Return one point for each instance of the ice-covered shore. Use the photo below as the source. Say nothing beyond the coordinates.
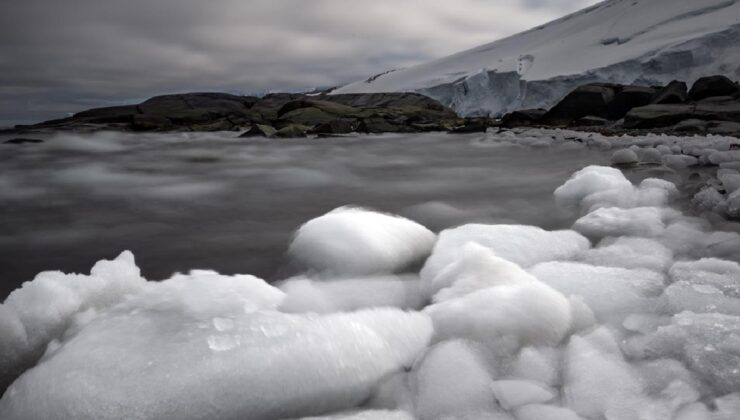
(630, 314)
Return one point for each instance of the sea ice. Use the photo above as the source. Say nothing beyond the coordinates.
(355, 241)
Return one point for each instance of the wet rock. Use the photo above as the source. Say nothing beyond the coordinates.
(336, 126)
(478, 125)
(674, 93)
(713, 86)
(377, 125)
(656, 116)
(259, 130)
(691, 126)
(523, 118)
(585, 100)
(292, 131)
(591, 121)
(627, 98)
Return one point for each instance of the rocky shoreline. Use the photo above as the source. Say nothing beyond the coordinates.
(711, 106)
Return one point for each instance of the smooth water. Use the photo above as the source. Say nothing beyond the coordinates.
(185, 201)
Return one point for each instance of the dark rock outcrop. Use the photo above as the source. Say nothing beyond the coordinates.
(592, 99)
(523, 118)
(627, 98)
(656, 116)
(713, 86)
(673, 93)
(286, 114)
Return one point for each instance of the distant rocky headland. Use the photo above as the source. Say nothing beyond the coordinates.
(710, 106)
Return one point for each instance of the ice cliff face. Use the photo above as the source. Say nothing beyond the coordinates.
(644, 42)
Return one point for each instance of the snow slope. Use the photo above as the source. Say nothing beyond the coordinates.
(643, 42)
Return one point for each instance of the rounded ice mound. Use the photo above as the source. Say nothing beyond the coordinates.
(624, 157)
(614, 221)
(356, 241)
(522, 245)
(209, 346)
(505, 317)
(590, 180)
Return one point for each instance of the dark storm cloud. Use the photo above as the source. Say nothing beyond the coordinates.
(60, 56)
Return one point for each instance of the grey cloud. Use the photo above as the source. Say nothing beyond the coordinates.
(61, 56)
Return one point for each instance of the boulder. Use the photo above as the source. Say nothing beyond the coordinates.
(627, 98)
(259, 130)
(523, 118)
(691, 126)
(292, 131)
(336, 126)
(591, 121)
(475, 125)
(386, 100)
(585, 100)
(674, 93)
(656, 116)
(724, 128)
(713, 86)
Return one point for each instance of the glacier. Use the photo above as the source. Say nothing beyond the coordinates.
(640, 42)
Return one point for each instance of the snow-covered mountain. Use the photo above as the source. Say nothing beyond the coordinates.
(644, 42)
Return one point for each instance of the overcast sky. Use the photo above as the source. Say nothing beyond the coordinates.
(62, 56)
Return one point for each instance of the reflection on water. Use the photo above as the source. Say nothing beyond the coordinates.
(183, 201)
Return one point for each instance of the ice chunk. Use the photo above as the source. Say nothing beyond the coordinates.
(609, 291)
(355, 241)
(163, 351)
(43, 309)
(597, 380)
(679, 161)
(537, 364)
(477, 268)
(545, 412)
(696, 297)
(516, 393)
(336, 295)
(613, 221)
(588, 181)
(523, 245)
(505, 317)
(624, 157)
(453, 379)
(650, 155)
(629, 252)
(706, 342)
(724, 275)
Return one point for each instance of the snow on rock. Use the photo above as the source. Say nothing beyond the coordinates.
(355, 241)
(347, 294)
(365, 415)
(453, 379)
(622, 41)
(522, 245)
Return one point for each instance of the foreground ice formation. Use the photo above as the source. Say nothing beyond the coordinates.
(630, 314)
